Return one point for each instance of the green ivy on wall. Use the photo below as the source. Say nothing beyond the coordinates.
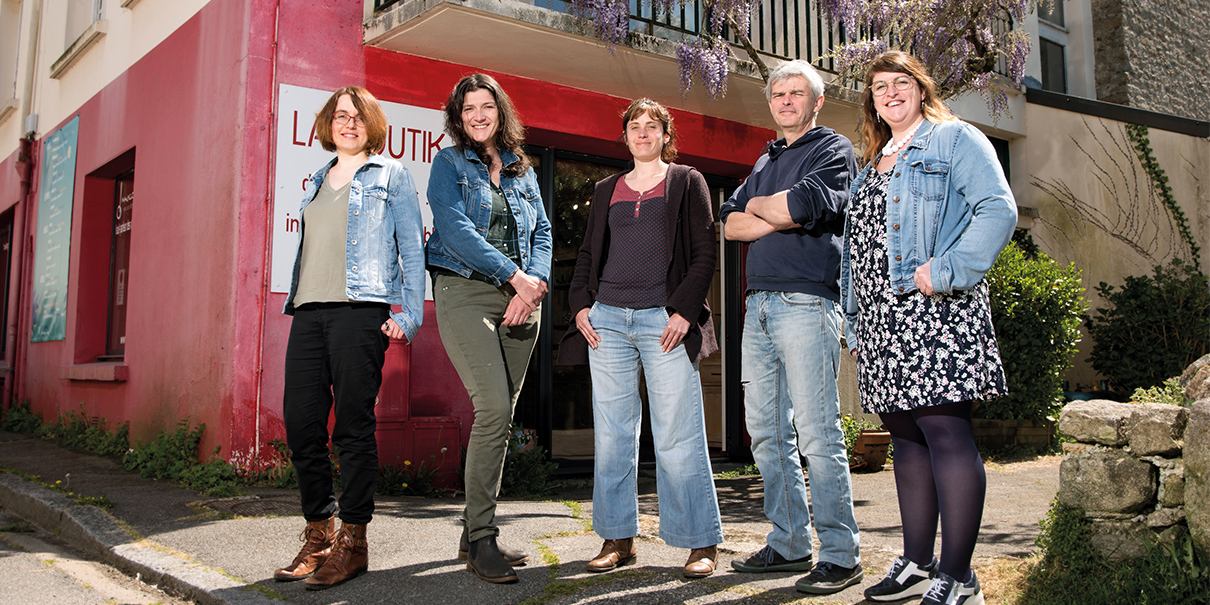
(1139, 136)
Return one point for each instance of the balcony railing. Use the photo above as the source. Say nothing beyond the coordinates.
(785, 29)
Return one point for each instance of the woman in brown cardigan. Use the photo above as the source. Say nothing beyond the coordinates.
(639, 294)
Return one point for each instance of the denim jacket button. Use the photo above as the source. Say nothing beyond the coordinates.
(354, 267)
(356, 212)
(896, 198)
(354, 242)
(901, 288)
(896, 175)
(898, 257)
(895, 226)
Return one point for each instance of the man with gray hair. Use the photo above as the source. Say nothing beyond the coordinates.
(791, 208)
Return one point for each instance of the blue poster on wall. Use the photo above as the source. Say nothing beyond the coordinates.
(52, 245)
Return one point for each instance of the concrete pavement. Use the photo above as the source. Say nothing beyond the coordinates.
(225, 550)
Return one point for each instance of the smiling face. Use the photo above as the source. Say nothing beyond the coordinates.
(898, 108)
(645, 137)
(792, 107)
(350, 137)
(481, 117)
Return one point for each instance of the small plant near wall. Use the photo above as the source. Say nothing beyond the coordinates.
(1151, 328)
(1171, 393)
(527, 472)
(1036, 308)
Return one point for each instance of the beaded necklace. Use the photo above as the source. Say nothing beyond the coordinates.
(891, 147)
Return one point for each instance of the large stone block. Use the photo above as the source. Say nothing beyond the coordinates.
(1120, 540)
(1097, 421)
(1196, 379)
(1156, 429)
(1106, 481)
(1197, 474)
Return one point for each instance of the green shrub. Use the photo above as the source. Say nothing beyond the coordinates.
(1036, 308)
(526, 471)
(19, 419)
(1171, 393)
(1072, 570)
(852, 428)
(1152, 328)
(174, 456)
(79, 431)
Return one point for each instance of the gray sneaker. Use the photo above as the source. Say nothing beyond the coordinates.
(829, 578)
(945, 590)
(768, 560)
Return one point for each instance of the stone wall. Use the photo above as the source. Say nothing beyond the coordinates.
(1140, 472)
(1152, 55)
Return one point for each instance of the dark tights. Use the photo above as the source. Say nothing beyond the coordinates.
(938, 473)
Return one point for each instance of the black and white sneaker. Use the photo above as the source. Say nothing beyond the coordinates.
(829, 578)
(945, 590)
(768, 560)
(904, 579)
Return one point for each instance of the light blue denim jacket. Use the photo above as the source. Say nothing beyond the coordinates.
(384, 251)
(948, 201)
(460, 196)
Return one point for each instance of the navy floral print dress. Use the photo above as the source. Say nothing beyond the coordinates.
(914, 350)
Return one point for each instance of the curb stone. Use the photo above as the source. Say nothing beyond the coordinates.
(99, 534)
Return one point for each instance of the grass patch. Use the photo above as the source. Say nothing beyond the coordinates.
(1170, 573)
(19, 527)
(746, 470)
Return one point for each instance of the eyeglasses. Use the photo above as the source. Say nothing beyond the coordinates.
(901, 83)
(343, 118)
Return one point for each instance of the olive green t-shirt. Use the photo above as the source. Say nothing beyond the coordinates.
(323, 274)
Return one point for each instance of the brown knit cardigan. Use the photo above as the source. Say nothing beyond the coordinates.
(691, 247)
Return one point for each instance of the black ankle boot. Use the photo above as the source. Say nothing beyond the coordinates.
(485, 560)
(513, 556)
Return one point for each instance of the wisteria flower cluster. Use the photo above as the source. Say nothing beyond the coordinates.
(960, 42)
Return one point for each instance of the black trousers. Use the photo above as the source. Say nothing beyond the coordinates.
(336, 350)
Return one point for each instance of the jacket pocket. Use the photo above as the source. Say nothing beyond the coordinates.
(930, 179)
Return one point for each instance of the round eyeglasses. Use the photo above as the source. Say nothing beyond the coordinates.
(343, 118)
(901, 84)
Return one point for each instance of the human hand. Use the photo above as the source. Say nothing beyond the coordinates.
(585, 328)
(392, 329)
(674, 332)
(924, 279)
(517, 312)
(528, 287)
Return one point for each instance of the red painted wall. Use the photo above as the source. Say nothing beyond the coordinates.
(206, 339)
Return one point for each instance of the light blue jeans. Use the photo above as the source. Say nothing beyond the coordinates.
(791, 360)
(630, 340)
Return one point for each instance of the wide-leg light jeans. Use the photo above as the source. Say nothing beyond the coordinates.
(791, 361)
(630, 341)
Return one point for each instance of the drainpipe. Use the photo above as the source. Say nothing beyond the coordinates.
(21, 256)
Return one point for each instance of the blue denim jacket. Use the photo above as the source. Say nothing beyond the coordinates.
(460, 196)
(384, 252)
(948, 201)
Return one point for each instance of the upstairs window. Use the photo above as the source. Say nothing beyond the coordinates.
(81, 14)
(1054, 65)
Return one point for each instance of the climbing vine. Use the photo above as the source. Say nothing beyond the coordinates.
(1139, 137)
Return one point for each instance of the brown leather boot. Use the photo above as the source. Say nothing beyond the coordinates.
(317, 542)
(350, 558)
(701, 562)
(613, 554)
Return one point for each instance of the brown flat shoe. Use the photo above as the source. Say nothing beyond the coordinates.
(701, 562)
(350, 557)
(317, 543)
(613, 554)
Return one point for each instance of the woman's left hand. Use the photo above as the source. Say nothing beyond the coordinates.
(674, 332)
(392, 329)
(924, 279)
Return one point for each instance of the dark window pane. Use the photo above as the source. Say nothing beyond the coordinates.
(1054, 66)
(1053, 14)
(119, 272)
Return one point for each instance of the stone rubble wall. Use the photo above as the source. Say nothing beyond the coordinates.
(1152, 55)
(1140, 472)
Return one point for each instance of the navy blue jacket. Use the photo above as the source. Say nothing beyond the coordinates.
(816, 169)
